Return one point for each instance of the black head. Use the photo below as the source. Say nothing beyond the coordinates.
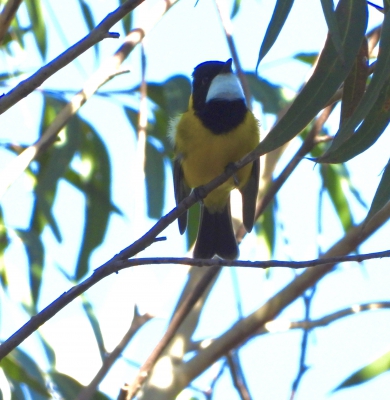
(202, 76)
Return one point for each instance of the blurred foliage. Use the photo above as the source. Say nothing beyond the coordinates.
(81, 158)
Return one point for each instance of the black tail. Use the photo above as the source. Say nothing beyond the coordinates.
(216, 235)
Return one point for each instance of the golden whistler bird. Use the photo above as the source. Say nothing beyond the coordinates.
(218, 129)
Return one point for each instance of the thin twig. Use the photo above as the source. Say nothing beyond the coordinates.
(228, 28)
(7, 16)
(137, 322)
(307, 298)
(99, 33)
(238, 376)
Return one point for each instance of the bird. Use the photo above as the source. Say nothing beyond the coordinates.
(217, 130)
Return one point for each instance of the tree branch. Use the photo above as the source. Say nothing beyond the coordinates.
(107, 71)
(136, 324)
(99, 33)
(7, 15)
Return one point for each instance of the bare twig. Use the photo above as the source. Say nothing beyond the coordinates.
(7, 15)
(136, 324)
(307, 298)
(99, 33)
(238, 376)
(181, 313)
(227, 27)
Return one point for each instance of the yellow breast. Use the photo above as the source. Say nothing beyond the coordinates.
(206, 155)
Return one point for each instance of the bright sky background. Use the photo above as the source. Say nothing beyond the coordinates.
(186, 36)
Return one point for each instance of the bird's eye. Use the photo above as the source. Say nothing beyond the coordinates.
(205, 81)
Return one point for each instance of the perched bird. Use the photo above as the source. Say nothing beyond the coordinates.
(218, 129)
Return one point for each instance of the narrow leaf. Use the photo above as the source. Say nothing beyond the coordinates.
(236, 8)
(89, 311)
(269, 95)
(20, 367)
(332, 181)
(89, 20)
(370, 371)
(327, 77)
(307, 58)
(355, 84)
(69, 388)
(35, 13)
(155, 180)
(281, 11)
(380, 76)
(382, 195)
(4, 242)
(193, 223)
(127, 20)
(97, 190)
(368, 132)
(331, 21)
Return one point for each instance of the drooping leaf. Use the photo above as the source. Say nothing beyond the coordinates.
(355, 84)
(379, 77)
(269, 95)
(69, 388)
(93, 320)
(236, 7)
(307, 58)
(370, 371)
(382, 194)
(20, 367)
(332, 181)
(97, 191)
(4, 242)
(279, 17)
(35, 255)
(266, 228)
(327, 77)
(35, 13)
(155, 180)
(331, 21)
(132, 116)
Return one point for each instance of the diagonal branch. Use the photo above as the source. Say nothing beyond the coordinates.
(99, 33)
(7, 16)
(107, 71)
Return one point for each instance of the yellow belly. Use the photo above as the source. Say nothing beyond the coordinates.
(206, 155)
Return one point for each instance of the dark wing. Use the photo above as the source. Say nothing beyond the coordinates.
(181, 192)
(249, 196)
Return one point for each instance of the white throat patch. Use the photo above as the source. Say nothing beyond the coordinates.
(225, 87)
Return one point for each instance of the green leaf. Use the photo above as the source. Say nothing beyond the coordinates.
(69, 388)
(155, 180)
(355, 84)
(4, 242)
(269, 95)
(89, 311)
(327, 77)
(35, 255)
(97, 190)
(332, 180)
(368, 132)
(236, 8)
(89, 20)
(132, 116)
(382, 194)
(20, 367)
(370, 371)
(331, 21)
(380, 76)
(307, 58)
(279, 17)
(35, 13)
